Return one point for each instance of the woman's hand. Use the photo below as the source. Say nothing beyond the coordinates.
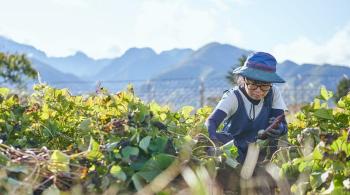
(273, 133)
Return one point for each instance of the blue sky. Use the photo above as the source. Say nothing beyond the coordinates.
(313, 31)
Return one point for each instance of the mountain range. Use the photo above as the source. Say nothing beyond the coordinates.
(208, 64)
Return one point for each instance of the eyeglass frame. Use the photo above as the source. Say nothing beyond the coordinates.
(253, 83)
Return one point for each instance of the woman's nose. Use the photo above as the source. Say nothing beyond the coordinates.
(259, 90)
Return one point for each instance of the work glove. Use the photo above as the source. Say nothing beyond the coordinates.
(270, 133)
(214, 150)
(276, 131)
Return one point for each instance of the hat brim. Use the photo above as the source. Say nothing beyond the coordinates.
(258, 75)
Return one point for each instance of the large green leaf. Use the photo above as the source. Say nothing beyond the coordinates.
(94, 155)
(129, 151)
(144, 143)
(341, 104)
(317, 155)
(93, 146)
(59, 162)
(85, 125)
(117, 172)
(155, 165)
(324, 113)
(158, 144)
(162, 116)
(315, 180)
(94, 150)
(325, 95)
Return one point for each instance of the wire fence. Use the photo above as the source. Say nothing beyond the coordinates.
(186, 91)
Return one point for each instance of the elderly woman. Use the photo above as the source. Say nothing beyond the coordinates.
(250, 107)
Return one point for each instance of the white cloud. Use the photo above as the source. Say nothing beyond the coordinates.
(108, 28)
(227, 4)
(5, 33)
(70, 3)
(182, 24)
(172, 24)
(336, 50)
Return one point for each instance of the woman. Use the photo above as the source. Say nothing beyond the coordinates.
(250, 107)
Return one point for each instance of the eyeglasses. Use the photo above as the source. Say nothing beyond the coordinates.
(253, 86)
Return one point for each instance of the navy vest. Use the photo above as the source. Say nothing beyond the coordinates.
(244, 130)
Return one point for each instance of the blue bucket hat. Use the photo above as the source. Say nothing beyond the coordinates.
(260, 66)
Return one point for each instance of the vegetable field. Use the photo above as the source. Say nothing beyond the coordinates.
(55, 143)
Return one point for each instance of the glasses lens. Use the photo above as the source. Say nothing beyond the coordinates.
(265, 87)
(252, 86)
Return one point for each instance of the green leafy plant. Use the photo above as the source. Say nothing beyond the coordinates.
(320, 162)
(100, 141)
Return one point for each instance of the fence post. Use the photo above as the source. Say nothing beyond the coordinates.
(201, 92)
(148, 91)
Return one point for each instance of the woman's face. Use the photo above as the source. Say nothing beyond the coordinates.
(255, 89)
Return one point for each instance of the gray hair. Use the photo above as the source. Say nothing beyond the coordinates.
(240, 81)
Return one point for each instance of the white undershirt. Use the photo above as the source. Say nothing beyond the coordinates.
(229, 102)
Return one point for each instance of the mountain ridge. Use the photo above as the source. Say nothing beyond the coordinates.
(211, 62)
